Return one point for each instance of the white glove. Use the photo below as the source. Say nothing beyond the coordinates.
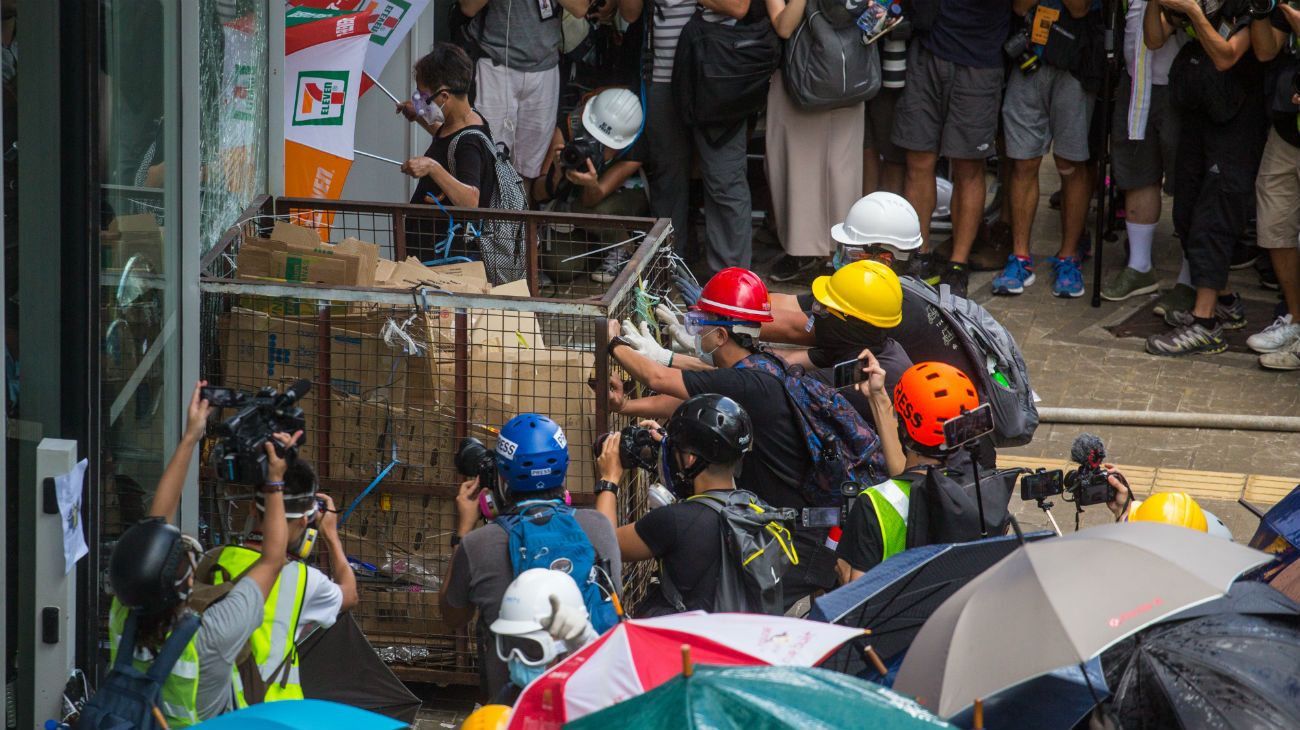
(681, 341)
(568, 624)
(645, 343)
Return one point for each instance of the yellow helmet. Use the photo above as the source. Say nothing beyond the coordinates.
(865, 290)
(488, 717)
(1171, 508)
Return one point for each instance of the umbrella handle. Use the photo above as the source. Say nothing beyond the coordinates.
(688, 666)
(978, 721)
(876, 663)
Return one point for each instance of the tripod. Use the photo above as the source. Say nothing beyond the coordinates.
(1110, 12)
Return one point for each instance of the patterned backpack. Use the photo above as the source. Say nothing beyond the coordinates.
(501, 241)
(842, 446)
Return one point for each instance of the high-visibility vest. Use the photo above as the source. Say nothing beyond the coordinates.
(890, 500)
(180, 693)
(273, 642)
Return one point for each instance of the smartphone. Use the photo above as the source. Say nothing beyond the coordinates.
(968, 426)
(220, 397)
(1042, 484)
(820, 517)
(848, 373)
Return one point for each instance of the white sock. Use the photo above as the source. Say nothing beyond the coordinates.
(1185, 276)
(1140, 237)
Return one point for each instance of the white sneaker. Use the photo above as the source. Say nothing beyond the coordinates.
(610, 267)
(1275, 337)
(1288, 358)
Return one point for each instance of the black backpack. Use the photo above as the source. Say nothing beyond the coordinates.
(127, 698)
(826, 64)
(721, 73)
(757, 550)
(942, 506)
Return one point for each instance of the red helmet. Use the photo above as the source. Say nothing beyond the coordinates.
(737, 294)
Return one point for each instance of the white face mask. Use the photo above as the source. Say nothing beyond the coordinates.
(704, 357)
(431, 113)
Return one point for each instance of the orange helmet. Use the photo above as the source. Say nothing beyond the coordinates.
(930, 393)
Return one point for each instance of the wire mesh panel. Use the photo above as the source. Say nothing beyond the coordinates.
(398, 379)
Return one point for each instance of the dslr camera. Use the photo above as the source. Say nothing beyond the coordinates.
(240, 455)
(475, 459)
(575, 154)
(1019, 50)
(1087, 485)
(638, 447)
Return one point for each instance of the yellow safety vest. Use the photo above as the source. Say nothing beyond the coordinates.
(273, 642)
(890, 500)
(179, 699)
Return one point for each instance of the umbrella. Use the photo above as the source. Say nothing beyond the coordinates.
(1055, 701)
(1282, 521)
(642, 654)
(894, 598)
(1221, 671)
(1244, 596)
(301, 715)
(1061, 601)
(746, 698)
(367, 683)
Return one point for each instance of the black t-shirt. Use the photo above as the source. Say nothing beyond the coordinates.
(1282, 112)
(779, 463)
(970, 33)
(686, 537)
(861, 544)
(475, 165)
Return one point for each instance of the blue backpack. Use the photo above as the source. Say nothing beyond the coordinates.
(842, 446)
(127, 697)
(547, 535)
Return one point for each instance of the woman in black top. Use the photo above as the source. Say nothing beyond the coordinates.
(443, 79)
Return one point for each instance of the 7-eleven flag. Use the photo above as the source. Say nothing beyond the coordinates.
(390, 22)
(324, 51)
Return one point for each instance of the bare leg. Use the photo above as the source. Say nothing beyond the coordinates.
(967, 206)
(1286, 264)
(891, 177)
(919, 189)
(870, 171)
(1206, 298)
(1142, 205)
(1076, 191)
(1023, 195)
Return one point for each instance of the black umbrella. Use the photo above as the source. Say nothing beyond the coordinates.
(1245, 596)
(895, 598)
(340, 665)
(1222, 671)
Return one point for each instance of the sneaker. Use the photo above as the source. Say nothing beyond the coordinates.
(1275, 337)
(1188, 340)
(1285, 359)
(1180, 298)
(927, 267)
(789, 268)
(1230, 316)
(1018, 274)
(1128, 282)
(613, 263)
(1068, 278)
(1243, 257)
(956, 276)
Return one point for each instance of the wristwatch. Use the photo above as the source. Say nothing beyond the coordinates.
(605, 485)
(455, 539)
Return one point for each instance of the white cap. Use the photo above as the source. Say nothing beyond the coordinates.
(613, 117)
(880, 218)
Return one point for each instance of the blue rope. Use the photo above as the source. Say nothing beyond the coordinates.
(348, 512)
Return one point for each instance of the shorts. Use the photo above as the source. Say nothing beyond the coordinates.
(948, 108)
(1277, 194)
(1046, 110)
(520, 108)
(1144, 162)
(880, 124)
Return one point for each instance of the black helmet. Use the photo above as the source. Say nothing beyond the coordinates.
(712, 427)
(150, 566)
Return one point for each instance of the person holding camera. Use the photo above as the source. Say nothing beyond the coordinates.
(152, 574)
(1217, 86)
(1277, 188)
(519, 489)
(594, 167)
(1046, 106)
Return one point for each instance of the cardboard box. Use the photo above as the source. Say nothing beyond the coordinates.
(267, 258)
(464, 278)
(505, 382)
(364, 433)
(394, 615)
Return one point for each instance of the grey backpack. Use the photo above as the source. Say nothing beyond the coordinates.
(500, 241)
(1003, 381)
(826, 64)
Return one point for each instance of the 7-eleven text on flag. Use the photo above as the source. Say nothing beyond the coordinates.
(321, 98)
(386, 19)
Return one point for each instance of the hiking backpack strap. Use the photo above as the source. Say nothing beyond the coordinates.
(666, 585)
(172, 649)
(126, 643)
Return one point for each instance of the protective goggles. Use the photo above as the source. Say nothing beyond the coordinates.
(845, 255)
(821, 309)
(697, 323)
(533, 649)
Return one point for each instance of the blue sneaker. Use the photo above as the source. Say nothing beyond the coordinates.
(1018, 274)
(1069, 279)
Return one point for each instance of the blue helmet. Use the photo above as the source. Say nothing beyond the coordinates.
(532, 454)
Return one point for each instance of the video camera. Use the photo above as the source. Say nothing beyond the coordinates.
(240, 456)
(1087, 485)
(575, 154)
(637, 448)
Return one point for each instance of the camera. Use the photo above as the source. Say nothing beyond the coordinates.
(1090, 483)
(1042, 484)
(637, 448)
(474, 459)
(575, 154)
(1020, 52)
(240, 456)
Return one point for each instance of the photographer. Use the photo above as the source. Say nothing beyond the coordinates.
(1277, 189)
(594, 167)
(519, 489)
(152, 574)
(1216, 86)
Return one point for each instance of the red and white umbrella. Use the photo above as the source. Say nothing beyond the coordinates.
(639, 655)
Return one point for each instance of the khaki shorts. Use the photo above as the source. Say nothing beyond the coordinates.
(1277, 194)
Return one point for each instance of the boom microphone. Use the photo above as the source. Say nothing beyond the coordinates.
(296, 391)
(1088, 450)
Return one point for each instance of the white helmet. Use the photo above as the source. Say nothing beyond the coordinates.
(880, 218)
(613, 117)
(941, 219)
(525, 605)
(1214, 526)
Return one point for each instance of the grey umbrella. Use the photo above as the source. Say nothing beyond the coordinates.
(1062, 601)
